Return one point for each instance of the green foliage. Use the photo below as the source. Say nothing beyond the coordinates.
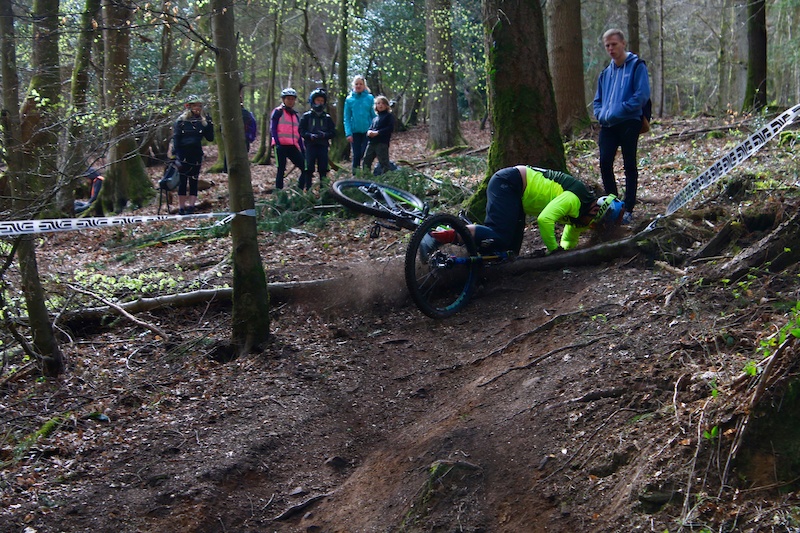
(791, 328)
(711, 435)
(144, 284)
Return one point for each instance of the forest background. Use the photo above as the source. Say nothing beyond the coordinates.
(101, 82)
(105, 79)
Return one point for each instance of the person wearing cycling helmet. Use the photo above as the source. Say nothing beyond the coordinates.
(552, 197)
(317, 129)
(187, 146)
(286, 140)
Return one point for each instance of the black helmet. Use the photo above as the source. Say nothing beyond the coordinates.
(288, 92)
(317, 92)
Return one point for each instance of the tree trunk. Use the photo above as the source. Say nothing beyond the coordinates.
(445, 128)
(127, 180)
(339, 145)
(633, 26)
(265, 148)
(32, 154)
(76, 148)
(521, 102)
(250, 317)
(655, 61)
(565, 42)
(755, 94)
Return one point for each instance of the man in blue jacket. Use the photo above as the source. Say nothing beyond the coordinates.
(623, 89)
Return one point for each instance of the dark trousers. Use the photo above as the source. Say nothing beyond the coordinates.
(379, 150)
(359, 145)
(189, 172)
(316, 156)
(292, 153)
(505, 218)
(626, 136)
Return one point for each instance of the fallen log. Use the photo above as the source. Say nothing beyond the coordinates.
(592, 255)
(278, 292)
(775, 252)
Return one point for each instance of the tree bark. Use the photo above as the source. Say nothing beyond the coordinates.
(264, 153)
(339, 145)
(755, 94)
(521, 101)
(565, 42)
(775, 252)
(127, 180)
(76, 149)
(250, 317)
(31, 149)
(445, 129)
(633, 26)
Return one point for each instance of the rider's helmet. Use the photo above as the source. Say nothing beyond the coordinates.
(192, 99)
(317, 93)
(610, 212)
(288, 92)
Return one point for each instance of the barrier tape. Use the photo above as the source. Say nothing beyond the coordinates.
(733, 158)
(11, 228)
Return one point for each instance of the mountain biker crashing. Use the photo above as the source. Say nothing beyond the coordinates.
(551, 196)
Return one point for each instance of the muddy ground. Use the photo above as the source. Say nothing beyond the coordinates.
(575, 399)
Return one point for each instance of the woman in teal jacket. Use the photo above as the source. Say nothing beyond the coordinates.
(358, 114)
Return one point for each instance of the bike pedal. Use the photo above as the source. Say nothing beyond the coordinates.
(375, 232)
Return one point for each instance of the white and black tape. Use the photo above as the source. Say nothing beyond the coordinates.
(733, 158)
(12, 228)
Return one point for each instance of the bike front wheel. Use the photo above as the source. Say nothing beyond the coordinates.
(380, 200)
(441, 277)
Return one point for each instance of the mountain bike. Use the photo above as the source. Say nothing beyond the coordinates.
(441, 282)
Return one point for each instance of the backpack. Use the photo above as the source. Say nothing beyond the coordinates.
(171, 178)
(647, 110)
(168, 183)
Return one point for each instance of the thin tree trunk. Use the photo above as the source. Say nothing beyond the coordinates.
(75, 150)
(250, 317)
(654, 64)
(565, 43)
(755, 94)
(31, 154)
(265, 148)
(445, 128)
(339, 146)
(633, 26)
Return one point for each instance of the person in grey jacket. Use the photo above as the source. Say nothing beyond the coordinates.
(623, 89)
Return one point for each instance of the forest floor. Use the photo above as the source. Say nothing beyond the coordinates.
(594, 398)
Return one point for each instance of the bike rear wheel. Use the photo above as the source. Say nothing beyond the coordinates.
(441, 284)
(380, 200)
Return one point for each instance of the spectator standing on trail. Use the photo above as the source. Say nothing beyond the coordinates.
(317, 129)
(623, 89)
(187, 146)
(285, 133)
(551, 196)
(358, 114)
(379, 134)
